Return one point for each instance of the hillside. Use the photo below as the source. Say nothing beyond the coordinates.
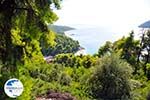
(60, 29)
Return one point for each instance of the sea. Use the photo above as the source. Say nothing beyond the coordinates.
(93, 38)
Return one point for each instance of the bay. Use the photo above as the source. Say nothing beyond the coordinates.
(92, 38)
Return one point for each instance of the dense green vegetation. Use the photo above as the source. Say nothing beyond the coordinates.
(111, 79)
(119, 71)
(64, 44)
(23, 24)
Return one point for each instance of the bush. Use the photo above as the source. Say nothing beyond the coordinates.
(110, 80)
(46, 72)
(65, 79)
(70, 60)
(28, 84)
(142, 92)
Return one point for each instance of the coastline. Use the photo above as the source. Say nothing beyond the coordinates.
(82, 50)
(90, 38)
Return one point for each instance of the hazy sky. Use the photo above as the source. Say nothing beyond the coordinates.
(115, 15)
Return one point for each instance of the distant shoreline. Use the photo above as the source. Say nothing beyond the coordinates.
(81, 50)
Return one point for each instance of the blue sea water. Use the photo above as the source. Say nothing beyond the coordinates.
(91, 38)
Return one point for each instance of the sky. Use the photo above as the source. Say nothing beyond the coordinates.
(115, 15)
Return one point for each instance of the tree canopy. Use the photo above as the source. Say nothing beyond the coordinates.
(22, 25)
(64, 44)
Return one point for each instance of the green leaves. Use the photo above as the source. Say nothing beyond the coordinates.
(63, 44)
(111, 77)
(106, 49)
(70, 60)
(23, 24)
(16, 37)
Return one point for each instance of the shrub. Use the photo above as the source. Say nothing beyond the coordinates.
(65, 79)
(28, 84)
(70, 60)
(46, 72)
(110, 80)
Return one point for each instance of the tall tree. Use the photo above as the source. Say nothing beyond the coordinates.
(106, 49)
(127, 47)
(145, 48)
(22, 24)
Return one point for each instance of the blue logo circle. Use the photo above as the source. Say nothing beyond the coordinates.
(13, 88)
